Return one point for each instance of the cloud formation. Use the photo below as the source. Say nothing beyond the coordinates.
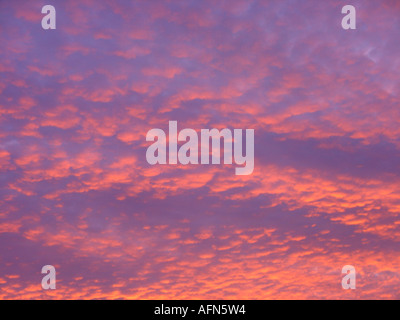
(76, 190)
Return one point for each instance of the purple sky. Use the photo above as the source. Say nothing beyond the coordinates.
(76, 191)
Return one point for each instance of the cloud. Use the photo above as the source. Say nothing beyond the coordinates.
(77, 192)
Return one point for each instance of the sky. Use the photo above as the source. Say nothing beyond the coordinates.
(76, 191)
